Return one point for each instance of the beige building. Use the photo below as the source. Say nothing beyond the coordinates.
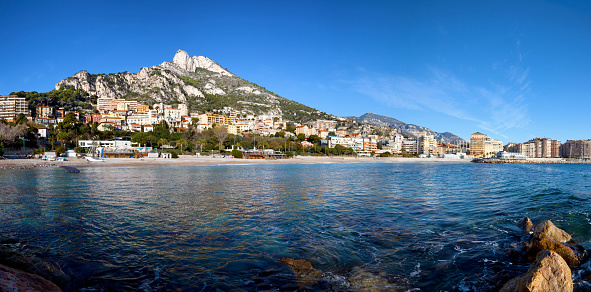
(105, 104)
(427, 144)
(541, 148)
(44, 111)
(143, 108)
(482, 145)
(12, 105)
(307, 131)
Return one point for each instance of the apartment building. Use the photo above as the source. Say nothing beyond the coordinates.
(12, 105)
(410, 146)
(426, 144)
(482, 145)
(576, 149)
(44, 112)
(541, 148)
(306, 130)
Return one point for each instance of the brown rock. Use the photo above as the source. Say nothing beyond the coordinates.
(548, 273)
(33, 265)
(552, 232)
(526, 224)
(573, 254)
(15, 280)
(365, 280)
(303, 271)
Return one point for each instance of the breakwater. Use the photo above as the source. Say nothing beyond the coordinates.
(532, 161)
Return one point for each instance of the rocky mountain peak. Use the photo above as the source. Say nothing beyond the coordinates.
(183, 60)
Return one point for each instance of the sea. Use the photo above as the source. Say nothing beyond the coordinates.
(384, 226)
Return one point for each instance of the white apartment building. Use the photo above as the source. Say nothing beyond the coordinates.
(12, 105)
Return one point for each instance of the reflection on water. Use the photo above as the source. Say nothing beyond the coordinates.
(428, 226)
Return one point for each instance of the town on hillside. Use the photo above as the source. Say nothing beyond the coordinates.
(125, 128)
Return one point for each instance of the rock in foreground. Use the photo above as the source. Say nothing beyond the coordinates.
(548, 273)
(552, 232)
(15, 280)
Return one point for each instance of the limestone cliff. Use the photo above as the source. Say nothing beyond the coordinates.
(197, 81)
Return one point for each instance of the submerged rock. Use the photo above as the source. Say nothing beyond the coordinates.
(303, 271)
(549, 272)
(517, 250)
(15, 280)
(364, 280)
(526, 224)
(552, 232)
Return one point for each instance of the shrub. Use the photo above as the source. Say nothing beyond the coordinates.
(236, 153)
(60, 149)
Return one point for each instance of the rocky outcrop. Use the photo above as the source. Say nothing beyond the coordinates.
(526, 224)
(191, 64)
(49, 271)
(552, 232)
(552, 251)
(14, 280)
(573, 254)
(548, 273)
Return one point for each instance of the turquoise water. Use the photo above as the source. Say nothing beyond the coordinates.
(416, 226)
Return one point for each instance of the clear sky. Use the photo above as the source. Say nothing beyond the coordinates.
(514, 70)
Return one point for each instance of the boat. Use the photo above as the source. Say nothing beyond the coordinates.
(94, 159)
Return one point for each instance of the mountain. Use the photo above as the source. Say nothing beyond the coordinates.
(405, 129)
(197, 81)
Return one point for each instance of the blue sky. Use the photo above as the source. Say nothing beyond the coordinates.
(514, 70)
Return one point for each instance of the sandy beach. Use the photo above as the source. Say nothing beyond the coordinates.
(194, 160)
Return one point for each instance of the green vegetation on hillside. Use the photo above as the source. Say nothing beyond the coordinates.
(68, 98)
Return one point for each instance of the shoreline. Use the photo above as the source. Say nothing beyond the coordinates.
(194, 160)
(187, 160)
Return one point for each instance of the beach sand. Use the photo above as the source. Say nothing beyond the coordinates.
(195, 160)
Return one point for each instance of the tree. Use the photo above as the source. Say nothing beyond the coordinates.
(301, 137)
(20, 119)
(221, 134)
(151, 139)
(62, 137)
(8, 133)
(315, 139)
(182, 143)
(140, 137)
(162, 141)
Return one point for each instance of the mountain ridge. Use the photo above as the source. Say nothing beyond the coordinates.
(405, 129)
(203, 85)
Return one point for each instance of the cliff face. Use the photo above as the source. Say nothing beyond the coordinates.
(197, 81)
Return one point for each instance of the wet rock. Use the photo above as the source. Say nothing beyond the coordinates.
(33, 265)
(552, 232)
(572, 253)
(549, 272)
(303, 271)
(363, 280)
(526, 224)
(517, 250)
(15, 280)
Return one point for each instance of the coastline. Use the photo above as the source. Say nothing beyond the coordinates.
(194, 160)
